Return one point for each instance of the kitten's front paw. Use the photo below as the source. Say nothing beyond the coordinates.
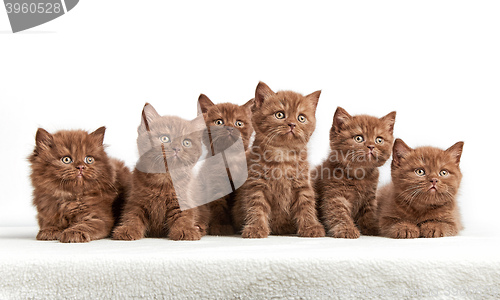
(185, 233)
(404, 231)
(48, 234)
(74, 236)
(254, 232)
(127, 233)
(312, 231)
(221, 229)
(343, 231)
(436, 229)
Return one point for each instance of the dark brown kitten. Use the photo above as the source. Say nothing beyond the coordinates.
(346, 182)
(278, 198)
(421, 200)
(168, 147)
(226, 123)
(78, 190)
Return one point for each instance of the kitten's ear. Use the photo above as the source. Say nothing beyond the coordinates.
(456, 151)
(389, 119)
(249, 104)
(204, 103)
(198, 123)
(148, 115)
(99, 134)
(340, 117)
(399, 151)
(261, 93)
(314, 98)
(43, 139)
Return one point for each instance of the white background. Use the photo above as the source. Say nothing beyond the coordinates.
(437, 63)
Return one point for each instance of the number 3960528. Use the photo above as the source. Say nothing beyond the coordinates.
(33, 8)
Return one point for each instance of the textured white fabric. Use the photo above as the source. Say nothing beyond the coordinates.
(462, 267)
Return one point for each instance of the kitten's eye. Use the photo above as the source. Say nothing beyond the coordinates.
(187, 143)
(165, 139)
(239, 123)
(219, 122)
(89, 160)
(66, 160)
(379, 140)
(301, 118)
(359, 138)
(279, 115)
(420, 172)
(443, 173)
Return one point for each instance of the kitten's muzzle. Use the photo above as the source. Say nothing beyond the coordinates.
(80, 169)
(434, 182)
(370, 150)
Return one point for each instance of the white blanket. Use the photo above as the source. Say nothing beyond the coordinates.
(462, 267)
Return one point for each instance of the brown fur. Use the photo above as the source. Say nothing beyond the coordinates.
(153, 209)
(237, 123)
(346, 182)
(408, 207)
(278, 198)
(74, 208)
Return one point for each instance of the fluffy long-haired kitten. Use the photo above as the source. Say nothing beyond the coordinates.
(168, 147)
(226, 125)
(277, 197)
(421, 199)
(346, 182)
(78, 189)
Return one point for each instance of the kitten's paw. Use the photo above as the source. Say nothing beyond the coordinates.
(404, 231)
(221, 229)
(435, 229)
(178, 233)
(127, 233)
(48, 234)
(312, 231)
(254, 232)
(202, 229)
(343, 231)
(74, 236)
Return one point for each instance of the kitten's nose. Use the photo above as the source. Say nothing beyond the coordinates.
(292, 125)
(176, 149)
(371, 147)
(434, 181)
(230, 129)
(80, 167)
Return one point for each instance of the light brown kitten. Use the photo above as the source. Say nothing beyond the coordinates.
(278, 198)
(169, 147)
(346, 182)
(421, 200)
(78, 189)
(226, 123)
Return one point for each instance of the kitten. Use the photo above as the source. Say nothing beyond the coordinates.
(346, 182)
(421, 200)
(226, 124)
(277, 197)
(168, 147)
(78, 189)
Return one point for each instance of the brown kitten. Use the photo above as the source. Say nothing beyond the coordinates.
(346, 182)
(226, 123)
(168, 147)
(421, 200)
(278, 198)
(78, 189)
